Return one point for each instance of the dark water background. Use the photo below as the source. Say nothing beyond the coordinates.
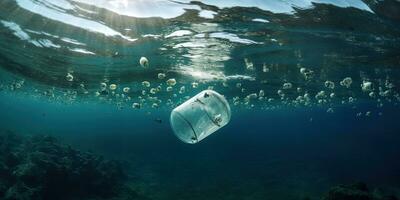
(277, 154)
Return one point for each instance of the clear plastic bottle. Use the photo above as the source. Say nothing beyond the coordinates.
(200, 116)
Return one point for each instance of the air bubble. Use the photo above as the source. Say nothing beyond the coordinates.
(161, 75)
(330, 85)
(287, 86)
(346, 82)
(153, 90)
(113, 87)
(146, 83)
(136, 105)
(182, 90)
(103, 86)
(366, 86)
(265, 68)
(126, 89)
(372, 94)
(69, 77)
(320, 95)
(261, 93)
(171, 82)
(249, 64)
(144, 62)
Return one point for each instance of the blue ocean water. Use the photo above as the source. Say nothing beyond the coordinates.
(278, 154)
(313, 89)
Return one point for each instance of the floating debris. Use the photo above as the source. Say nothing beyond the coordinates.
(144, 62)
(200, 116)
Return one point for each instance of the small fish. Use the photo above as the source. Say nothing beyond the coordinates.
(158, 120)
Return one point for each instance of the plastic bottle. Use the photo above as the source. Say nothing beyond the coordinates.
(200, 116)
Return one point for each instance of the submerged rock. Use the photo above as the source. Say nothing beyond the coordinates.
(355, 191)
(42, 168)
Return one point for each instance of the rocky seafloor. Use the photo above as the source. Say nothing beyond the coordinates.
(356, 191)
(42, 168)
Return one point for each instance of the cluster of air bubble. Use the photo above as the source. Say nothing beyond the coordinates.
(163, 90)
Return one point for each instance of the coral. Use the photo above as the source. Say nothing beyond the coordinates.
(41, 168)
